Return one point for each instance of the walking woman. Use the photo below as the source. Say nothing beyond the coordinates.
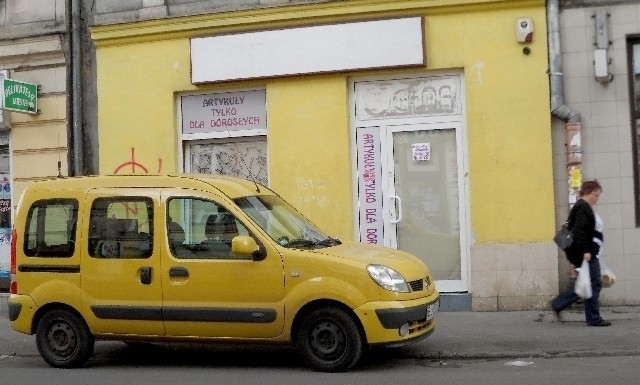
(582, 222)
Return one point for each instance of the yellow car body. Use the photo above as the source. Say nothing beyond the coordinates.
(100, 256)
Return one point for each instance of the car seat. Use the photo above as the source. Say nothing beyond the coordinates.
(176, 237)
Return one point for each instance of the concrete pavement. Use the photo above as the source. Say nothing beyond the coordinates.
(530, 334)
(476, 335)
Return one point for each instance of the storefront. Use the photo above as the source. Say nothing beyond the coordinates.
(411, 165)
(423, 126)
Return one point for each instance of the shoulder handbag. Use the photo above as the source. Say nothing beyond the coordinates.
(564, 237)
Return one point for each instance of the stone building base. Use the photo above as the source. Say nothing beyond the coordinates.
(513, 276)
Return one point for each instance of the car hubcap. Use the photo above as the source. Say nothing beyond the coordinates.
(328, 341)
(61, 338)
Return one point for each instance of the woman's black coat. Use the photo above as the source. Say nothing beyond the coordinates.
(582, 222)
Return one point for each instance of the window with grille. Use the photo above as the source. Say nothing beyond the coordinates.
(225, 133)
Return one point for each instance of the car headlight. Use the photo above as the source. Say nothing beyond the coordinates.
(388, 278)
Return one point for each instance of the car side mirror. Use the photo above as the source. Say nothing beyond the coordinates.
(246, 245)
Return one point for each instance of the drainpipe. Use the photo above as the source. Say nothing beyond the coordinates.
(572, 118)
(76, 86)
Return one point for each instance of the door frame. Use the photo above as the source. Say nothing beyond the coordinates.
(223, 284)
(123, 291)
(458, 120)
(388, 186)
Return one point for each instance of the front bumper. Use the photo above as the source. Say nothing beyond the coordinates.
(398, 322)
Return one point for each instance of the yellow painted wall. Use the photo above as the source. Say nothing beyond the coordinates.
(137, 108)
(308, 132)
(309, 158)
(508, 119)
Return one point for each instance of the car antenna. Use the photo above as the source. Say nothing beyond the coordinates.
(59, 161)
(60, 169)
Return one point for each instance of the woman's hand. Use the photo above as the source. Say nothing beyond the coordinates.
(587, 257)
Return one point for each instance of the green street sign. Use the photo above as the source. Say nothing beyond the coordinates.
(20, 96)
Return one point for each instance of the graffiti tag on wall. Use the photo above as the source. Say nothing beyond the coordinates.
(310, 191)
(133, 166)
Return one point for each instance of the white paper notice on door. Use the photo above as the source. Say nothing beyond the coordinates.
(421, 151)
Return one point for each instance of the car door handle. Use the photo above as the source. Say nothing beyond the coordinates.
(178, 272)
(146, 275)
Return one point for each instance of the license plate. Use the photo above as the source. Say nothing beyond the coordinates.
(432, 310)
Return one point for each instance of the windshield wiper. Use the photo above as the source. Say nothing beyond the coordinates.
(309, 243)
(329, 242)
(300, 243)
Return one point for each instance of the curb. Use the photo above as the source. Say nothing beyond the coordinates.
(515, 355)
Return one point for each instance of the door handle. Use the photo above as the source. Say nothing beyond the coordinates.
(146, 275)
(178, 272)
(399, 206)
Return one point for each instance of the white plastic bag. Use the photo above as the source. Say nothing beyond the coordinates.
(608, 278)
(583, 282)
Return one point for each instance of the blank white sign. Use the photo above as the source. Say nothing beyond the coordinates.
(317, 49)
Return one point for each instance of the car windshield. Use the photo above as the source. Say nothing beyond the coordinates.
(283, 223)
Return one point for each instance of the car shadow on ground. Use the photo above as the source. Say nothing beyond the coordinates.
(191, 355)
(110, 354)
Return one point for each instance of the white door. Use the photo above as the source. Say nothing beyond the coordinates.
(416, 203)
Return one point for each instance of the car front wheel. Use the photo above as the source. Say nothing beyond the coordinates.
(329, 340)
(63, 339)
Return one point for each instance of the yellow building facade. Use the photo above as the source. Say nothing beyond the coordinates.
(449, 158)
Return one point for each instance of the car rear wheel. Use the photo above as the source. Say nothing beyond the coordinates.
(63, 339)
(329, 340)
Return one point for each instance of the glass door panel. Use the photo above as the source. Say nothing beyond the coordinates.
(424, 195)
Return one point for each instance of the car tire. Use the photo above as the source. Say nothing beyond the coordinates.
(329, 340)
(63, 339)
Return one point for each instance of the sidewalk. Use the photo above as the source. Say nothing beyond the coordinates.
(476, 335)
(530, 334)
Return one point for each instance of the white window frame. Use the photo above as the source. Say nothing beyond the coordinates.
(186, 140)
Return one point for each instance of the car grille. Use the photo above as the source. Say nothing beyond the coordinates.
(416, 326)
(417, 285)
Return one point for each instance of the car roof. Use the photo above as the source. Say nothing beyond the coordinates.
(230, 186)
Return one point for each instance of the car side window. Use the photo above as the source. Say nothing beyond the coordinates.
(202, 229)
(51, 228)
(121, 227)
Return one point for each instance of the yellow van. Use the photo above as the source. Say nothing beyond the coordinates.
(202, 258)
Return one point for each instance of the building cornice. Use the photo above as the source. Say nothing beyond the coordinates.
(288, 16)
(32, 52)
